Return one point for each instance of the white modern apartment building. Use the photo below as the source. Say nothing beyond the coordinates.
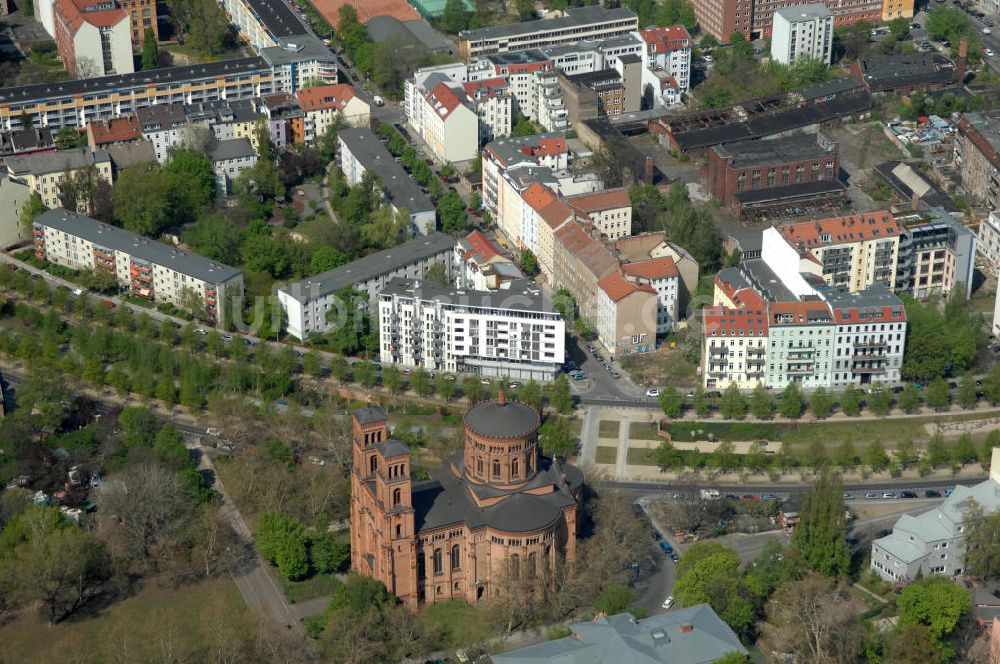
(989, 239)
(666, 63)
(934, 542)
(359, 152)
(148, 269)
(439, 111)
(802, 31)
(307, 303)
(513, 332)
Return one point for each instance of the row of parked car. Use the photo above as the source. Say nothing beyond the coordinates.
(892, 495)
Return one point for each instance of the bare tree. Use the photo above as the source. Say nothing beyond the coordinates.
(816, 621)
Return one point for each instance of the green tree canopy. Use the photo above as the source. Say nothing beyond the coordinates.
(934, 601)
(821, 531)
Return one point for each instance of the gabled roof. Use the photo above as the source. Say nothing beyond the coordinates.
(479, 246)
(723, 321)
(841, 230)
(654, 268)
(547, 204)
(326, 97)
(115, 130)
(444, 99)
(618, 287)
(591, 253)
(74, 13)
(598, 201)
(488, 87)
(670, 38)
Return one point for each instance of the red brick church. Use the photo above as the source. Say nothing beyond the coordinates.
(498, 506)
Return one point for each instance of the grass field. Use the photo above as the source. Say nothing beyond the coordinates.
(608, 429)
(643, 431)
(311, 588)
(463, 624)
(193, 621)
(606, 454)
(639, 456)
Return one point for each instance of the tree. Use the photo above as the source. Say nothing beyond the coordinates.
(947, 22)
(821, 532)
(615, 599)
(555, 437)
(190, 176)
(709, 573)
(455, 16)
(880, 400)
(814, 620)
(530, 394)
(821, 403)
(33, 207)
(702, 406)
(68, 138)
(937, 451)
(523, 127)
(968, 395)
(909, 399)
(527, 262)
(559, 394)
(844, 456)
(905, 452)
(451, 210)
(671, 402)
(792, 402)
(438, 273)
(938, 395)
(667, 457)
(420, 380)
(875, 456)
(850, 401)
(140, 199)
(215, 236)
(392, 378)
(281, 539)
(935, 602)
(982, 543)
(364, 373)
(733, 405)
(914, 643)
(761, 403)
(444, 386)
(150, 53)
(329, 554)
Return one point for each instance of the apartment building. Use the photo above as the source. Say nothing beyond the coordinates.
(149, 269)
(323, 104)
(742, 176)
(988, 245)
(593, 94)
(93, 37)
(734, 346)
(481, 265)
(229, 159)
(513, 333)
(439, 111)
(977, 156)
(936, 255)
(801, 344)
(494, 105)
(143, 16)
(360, 151)
(651, 246)
(262, 22)
(547, 150)
(166, 125)
(871, 335)
(754, 18)
(308, 303)
(581, 261)
(934, 542)
(853, 252)
(610, 211)
(626, 315)
(299, 61)
(662, 275)
(666, 64)
(802, 31)
(43, 172)
(114, 131)
(547, 213)
(579, 23)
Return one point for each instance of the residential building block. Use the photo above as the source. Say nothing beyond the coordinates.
(802, 31)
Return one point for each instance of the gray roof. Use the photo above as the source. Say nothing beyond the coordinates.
(987, 125)
(695, 635)
(40, 163)
(518, 295)
(369, 415)
(510, 419)
(791, 193)
(875, 296)
(599, 78)
(629, 58)
(277, 17)
(393, 447)
(446, 500)
(160, 116)
(575, 16)
(370, 267)
(804, 12)
(129, 154)
(763, 280)
(899, 71)
(121, 83)
(900, 549)
(774, 151)
(381, 28)
(112, 237)
(402, 191)
(233, 148)
(832, 87)
(298, 47)
(509, 149)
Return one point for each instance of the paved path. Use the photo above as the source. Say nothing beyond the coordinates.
(623, 432)
(588, 435)
(310, 608)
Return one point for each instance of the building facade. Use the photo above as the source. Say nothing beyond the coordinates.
(148, 269)
(94, 37)
(626, 315)
(579, 23)
(229, 159)
(439, 111)
(934, 542)
(496, 516)
(754, 18)
(307, 304)
(610, 211)
(512, 333)
(977, 157)
(802, 31)
(480, 264)
(666, 62)
(988, 245)
(44, 172)
(323, 104)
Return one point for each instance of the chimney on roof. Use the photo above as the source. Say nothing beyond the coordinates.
(687, 628)
(648, 174)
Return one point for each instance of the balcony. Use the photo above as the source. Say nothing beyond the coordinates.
(718, 350)
(868, 370)
(806, 369)
(870, 344)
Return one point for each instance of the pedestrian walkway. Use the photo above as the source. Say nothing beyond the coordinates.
(621, 463)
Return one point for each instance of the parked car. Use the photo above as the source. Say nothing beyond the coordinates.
(201, 330)
(615, 375)
(652, 392)
(485, 381)
(853, 541)
(665, 545)
(871, 495)
(947, 493)
(848, 496)
(668, 602)
(907, 494)
(931, 493)
(768, 496)
(889, 495)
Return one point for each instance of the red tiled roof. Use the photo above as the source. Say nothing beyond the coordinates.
(655, 268)
(799, 312)
(444, 98)
(115, 130)
(742, 297)
(547, 204)
(598, 201)
(618, 287)
(73, 14)
(482, 246)
(489, 87)
(725, 322)
(547, 147)
(852, 315)
(665, 39)
(326, 96)
(841, 230)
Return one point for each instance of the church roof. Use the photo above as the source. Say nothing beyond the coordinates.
(502, 419)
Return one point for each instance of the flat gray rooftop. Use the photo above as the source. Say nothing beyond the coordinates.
(772, 151)
(402, 191)
(576, 17)
(118, 239)
(804, 12)
(521, 295)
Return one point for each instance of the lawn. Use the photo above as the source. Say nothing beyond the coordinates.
(731, 431)
(463, 624)
(643, 431)
(665, 366)
(198, 622)
(640, 456)
(606, 454)
(315, 586)
(608, 429)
